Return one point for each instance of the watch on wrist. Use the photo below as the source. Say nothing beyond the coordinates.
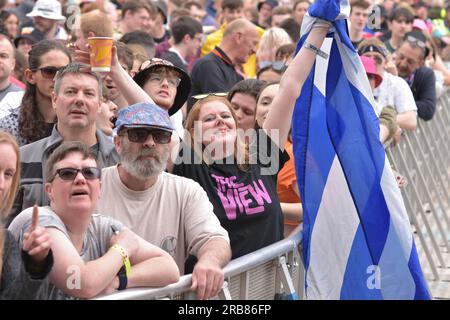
(123, 279)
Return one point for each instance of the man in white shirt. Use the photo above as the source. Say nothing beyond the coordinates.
(169, 211)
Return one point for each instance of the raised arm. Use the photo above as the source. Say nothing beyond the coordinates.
(280, 114)
(129, 89)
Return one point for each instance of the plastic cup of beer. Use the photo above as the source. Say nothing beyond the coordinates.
(100, 53)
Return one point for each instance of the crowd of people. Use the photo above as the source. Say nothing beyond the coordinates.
(179, 158)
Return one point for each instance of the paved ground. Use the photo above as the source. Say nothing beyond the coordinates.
(439, 287)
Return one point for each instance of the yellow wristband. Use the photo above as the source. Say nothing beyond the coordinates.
(126, 259)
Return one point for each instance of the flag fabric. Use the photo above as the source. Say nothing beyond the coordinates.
(357, 238)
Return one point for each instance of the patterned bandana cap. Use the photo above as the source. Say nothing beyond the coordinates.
(143, 115)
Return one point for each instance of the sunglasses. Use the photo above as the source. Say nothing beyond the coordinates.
(140, 135)
(276, 65)
(48, 72)
(415, 41)
(69, 174)
(211, 94)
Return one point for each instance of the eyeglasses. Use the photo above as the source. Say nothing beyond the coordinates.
(159, 78)
(211, 94)
(140, 135)
(49, 72)
(69, 174)
(276, 65)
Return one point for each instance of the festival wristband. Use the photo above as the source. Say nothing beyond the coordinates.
(126, 259)
(316, 50)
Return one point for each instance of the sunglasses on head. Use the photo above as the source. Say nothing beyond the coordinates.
(69, 174)
(211, 94)
(49, 72)
(140, 135)
(415, 41)
(275, 65)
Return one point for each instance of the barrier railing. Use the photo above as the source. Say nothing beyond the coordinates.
(423, 157)
(274, 272)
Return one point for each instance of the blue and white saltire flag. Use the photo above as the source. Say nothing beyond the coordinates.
(357, 238)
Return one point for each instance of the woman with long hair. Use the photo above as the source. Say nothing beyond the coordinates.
(9, 21)
(35, 117)
(241, 183)
(21, 275)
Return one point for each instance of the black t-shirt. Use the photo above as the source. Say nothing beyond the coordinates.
(213, 73)
(246, 202)
(176, 60)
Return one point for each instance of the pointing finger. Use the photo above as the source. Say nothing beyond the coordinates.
(35, 218)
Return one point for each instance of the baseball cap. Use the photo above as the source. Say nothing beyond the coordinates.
(143, 115)
(371, 69)
(48, 9)
(34, 35)
(183, 89)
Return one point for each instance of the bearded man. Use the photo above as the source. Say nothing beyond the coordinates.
(169, 211)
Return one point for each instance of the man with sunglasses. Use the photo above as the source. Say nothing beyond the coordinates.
(76, 98)
(171, 212)
(410, 60)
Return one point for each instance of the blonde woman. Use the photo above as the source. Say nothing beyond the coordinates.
(271, 40)
(22, 276)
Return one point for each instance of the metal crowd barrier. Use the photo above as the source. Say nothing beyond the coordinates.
(273, 272)
(423, 157)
